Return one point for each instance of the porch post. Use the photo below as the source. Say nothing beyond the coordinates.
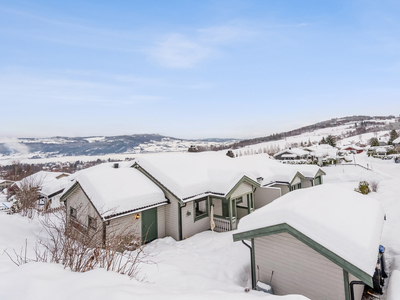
(230, 213)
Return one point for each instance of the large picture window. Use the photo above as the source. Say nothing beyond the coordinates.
(200, 208)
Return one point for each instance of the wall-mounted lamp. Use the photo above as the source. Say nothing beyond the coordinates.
(137, 216)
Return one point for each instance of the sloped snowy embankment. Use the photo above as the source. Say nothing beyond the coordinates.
(206, 266)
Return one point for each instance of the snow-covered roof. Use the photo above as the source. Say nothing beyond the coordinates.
(352, 147)
(322, 150)
(187, 175)
(119, 190)
(396, 141)
(381, 149)
(5, 181)
(40, 178)
(296, 151)
(345, 222)
(54, 186)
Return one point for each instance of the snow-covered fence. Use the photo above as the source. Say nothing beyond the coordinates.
(222, 225)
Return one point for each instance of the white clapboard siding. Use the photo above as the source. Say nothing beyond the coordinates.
(189, 226)
(284, 188)
(358, 288)
(217, 206)
(296, 180)
(306, 183)
(161, 221)
(126, 225)
(83, 206)
(266, 195)
(298, 269)
(242, 189)
(171, 217)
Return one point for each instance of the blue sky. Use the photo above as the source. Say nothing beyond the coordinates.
(194, 69)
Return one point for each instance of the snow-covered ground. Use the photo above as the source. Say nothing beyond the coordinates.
(206, 266)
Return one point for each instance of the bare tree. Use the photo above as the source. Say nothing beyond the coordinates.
(80, 249)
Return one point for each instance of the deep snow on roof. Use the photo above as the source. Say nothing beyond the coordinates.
(118, 190)
(296, 151)
(40, 178)
(54, 186)
(189, 174)
(345, 222)
(396, 141)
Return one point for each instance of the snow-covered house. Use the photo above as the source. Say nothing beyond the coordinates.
(316, 241)
(51, 191)
(196, 182)
(200, 187)
(353, 148)
(115, 199)
(49, 185)
(4, 184)
(396, 142)
(291, 153)
(380, 151)
(312, 175)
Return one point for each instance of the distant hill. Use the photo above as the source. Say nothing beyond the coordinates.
(100, 145)
(153, 143)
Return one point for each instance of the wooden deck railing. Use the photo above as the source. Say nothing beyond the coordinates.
(221, 224)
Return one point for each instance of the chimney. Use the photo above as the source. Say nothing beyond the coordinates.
(116, 165)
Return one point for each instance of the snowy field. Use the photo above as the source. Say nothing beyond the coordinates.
(206, 266)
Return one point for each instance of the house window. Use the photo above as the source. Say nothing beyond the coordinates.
(299, 186)
(92, 223)
(200, 208)
(239, 200)
(72, 212)
(318, 180)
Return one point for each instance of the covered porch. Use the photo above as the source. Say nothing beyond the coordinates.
(228, 211)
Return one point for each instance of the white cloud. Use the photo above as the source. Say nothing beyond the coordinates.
(177, 51)
(180, 51)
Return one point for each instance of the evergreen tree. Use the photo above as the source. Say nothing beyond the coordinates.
(331, 140)
(323, 141)
(393, 135)
(374, 142)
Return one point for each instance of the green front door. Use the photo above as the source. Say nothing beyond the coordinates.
(149, 225)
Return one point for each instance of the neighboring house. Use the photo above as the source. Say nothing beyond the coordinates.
(380, 151)
(312, 175)
(321, 151)
(353, 148)
(316, 241)
(116, 200)
(291, 154)
(193, 182)
(396, 143)
(5, 184)
(51, 191)
(49, 184)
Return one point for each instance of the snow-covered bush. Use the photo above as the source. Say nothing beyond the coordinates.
(363, 188)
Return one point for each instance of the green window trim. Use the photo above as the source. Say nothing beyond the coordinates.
(196, 211)
(283, 227)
